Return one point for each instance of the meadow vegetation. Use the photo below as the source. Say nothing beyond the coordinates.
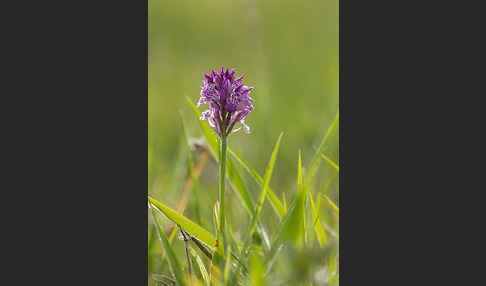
(282, 180)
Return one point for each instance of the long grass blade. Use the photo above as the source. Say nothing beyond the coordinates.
(200, 264)
(309, 179)
(284, 200)
(171, 235)
(332, 204)
(274, 201)
(186, 224)
(152, 236)
(237, 184)
(302, 189)
(330, 162)
(164, 279)
(292, 225)
(227, 265)
(174, 264)
(268, 176)
(272, 258)
(256, 270)
(321, 234)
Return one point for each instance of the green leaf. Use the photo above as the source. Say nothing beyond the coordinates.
(152, 236)
(330, 162)
(268, 176)
(186, 224)
(292, 226)
(256, 270)
(235, 253)
(274, 201)
(292, 223)
(238, 185)
(202, 268)
(174, 264)
(227, 266)
(315, 160)
(164, 279)
(335, 208)
(272, 258)
(300, 183)
(171, 238)
(284, 199)
(289, 229)
(302, 189)
(321, 235)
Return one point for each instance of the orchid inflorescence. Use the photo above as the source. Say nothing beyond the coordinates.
(228, 101)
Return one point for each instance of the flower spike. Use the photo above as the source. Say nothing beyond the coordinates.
(228, 101)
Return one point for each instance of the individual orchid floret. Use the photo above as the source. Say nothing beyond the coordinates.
(228, 100)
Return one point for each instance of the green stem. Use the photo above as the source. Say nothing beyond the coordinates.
(222, 177)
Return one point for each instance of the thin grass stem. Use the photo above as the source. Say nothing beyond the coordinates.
(186, 240)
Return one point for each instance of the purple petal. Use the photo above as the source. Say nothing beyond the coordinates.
(208, 77)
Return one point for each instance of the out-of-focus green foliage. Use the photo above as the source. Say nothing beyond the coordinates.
(289, 52)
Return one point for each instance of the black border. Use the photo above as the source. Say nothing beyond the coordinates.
(76, 159)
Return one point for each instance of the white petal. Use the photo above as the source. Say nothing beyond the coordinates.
(201, 101)
(205, 115)
(212, 122)
(246, 128)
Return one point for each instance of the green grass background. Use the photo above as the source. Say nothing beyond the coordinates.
(289, 52)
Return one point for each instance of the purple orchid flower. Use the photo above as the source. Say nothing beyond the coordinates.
(228, 101)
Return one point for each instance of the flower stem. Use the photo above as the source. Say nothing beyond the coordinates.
(222, 176)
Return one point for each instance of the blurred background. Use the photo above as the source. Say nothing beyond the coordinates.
(289, 52)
